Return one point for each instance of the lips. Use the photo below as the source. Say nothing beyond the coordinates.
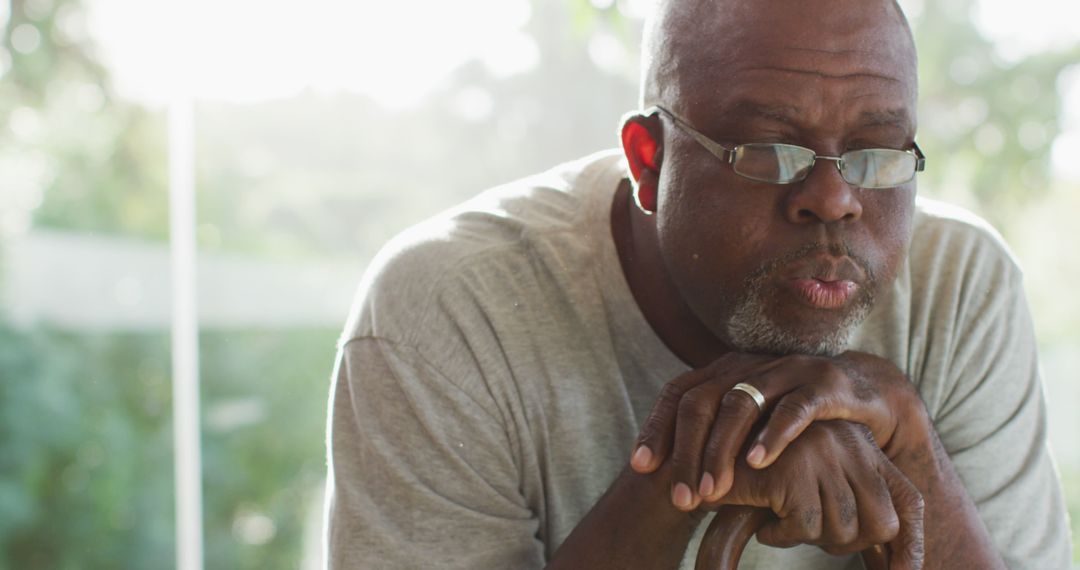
(824, 294)
(825, 281)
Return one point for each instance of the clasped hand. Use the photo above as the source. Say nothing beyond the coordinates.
(829, 483)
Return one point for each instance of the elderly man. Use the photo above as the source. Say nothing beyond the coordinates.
(747, 306)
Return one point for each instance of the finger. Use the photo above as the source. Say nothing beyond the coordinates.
(799, 520)
(879, 522)
(734, 419)
(824, 391)
(840, 513)
(908, 548)
(791, 414)
(697, 411)
(655, 439)
(876, 524)
(794, 393)
(800, 527)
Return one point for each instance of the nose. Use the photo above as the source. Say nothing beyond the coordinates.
(823, 196)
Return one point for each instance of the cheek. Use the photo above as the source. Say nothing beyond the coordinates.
(706, 228)
(710, 239)
(892, 222)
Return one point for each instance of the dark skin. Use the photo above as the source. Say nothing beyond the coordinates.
(877, 472)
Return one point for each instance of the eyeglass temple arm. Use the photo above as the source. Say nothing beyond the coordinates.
(724, 154)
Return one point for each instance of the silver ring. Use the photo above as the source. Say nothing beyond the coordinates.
(753, 392)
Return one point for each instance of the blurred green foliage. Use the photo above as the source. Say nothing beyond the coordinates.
(985, 123)
(74, 155)
(85, 449)
(86, 470)
(1070, 479)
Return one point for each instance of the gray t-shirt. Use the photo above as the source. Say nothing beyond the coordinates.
(495, 371)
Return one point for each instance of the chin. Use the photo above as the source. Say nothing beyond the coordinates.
(751, 329)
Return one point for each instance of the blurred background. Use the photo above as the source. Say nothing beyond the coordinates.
(321, 129)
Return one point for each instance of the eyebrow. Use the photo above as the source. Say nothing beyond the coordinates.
(783, 113)
(885, 118)
(789, 114)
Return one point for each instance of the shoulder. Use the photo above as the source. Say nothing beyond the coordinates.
(492, 238)
(950, 243)
(956, 292)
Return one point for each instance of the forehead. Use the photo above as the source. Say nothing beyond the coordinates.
(809, 61)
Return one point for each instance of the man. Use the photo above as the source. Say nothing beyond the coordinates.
(763, 258)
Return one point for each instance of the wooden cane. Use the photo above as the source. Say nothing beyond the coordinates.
(732, 528)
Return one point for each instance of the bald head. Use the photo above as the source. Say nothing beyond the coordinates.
(692, 46)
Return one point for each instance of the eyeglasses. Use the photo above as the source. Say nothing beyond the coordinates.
(786, 163)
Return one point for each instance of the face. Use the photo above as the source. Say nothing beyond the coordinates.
(787, 268)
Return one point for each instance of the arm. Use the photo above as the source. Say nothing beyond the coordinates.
(955, 535)
(420, 473)
(633, 525)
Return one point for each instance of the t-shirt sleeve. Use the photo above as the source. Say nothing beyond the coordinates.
(421, 472)
(993, 425)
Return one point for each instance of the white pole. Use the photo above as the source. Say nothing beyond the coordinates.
(185, 331)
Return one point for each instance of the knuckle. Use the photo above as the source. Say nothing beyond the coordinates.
(824, 368)
(831, 374)
(848, 527)
(881, 529)
(808, 521)
(654, 425)
(918, 504)
(912, 499)
(661, 420)
(670, 394)
(917, 500)
(696, 407)
(719, 448)
(793, 409)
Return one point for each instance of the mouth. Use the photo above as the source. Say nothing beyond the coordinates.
(823, 294)
(808, 301)
(824, 281)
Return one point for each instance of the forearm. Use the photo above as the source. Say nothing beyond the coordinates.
(954, 534)
(633, 525)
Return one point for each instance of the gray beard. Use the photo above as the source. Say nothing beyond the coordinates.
(749, 329)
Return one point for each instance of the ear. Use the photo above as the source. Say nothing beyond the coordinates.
(643, 155)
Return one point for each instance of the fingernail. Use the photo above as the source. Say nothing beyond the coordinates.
(680, 495)
(641, 459)
(707, 485)
(756, 455)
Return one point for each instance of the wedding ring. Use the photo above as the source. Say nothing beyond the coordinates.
(753, 392)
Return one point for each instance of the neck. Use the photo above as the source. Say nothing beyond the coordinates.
(656, 295)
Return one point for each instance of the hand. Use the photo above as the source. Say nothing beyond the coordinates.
(702, 423)
(835, 489)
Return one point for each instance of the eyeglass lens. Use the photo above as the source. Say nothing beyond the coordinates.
(783, 164)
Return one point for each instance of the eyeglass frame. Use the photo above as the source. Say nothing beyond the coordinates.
(728, 155)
